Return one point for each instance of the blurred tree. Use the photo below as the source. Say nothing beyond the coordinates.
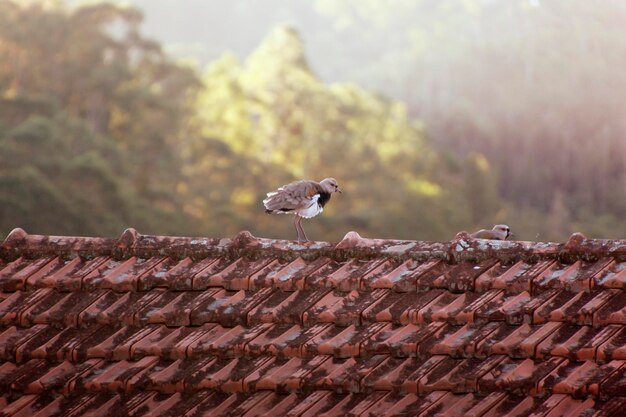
(93, 115)
(283, 123)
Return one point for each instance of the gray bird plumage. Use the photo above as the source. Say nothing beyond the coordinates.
(499, 232)
(304, 198)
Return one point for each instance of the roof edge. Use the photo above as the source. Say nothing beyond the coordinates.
(461, 248)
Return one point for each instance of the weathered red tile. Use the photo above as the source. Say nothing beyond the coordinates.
(569, 378)
(348, 377)
(293, 275)
(517, 376)
(12, 337)
(284, 307)
(615, 384)
(409, 405)
(613, 311)
(573, 307)
(403, 278)
(513, 279)
(284, 340)
(250, 404)
(315, 403)
(521, 309)
(614, 347)
(172, 274)
(20, 377)
(503, 307)
(464, 342)
(516, 406)
(229, 308)
(271, 404)
(397, 307)
(341, 308)
(399, 341)
(565, 406)
(64, 311)
(317, 274)
(171, 378)
(485, 404)
(458, 405)
(225, 374)
(288, 376)
(74, 405)
(26, 405)
(57, 377)
(165, 342)
(612, 276)
(124, 405)
(407, 376)
(344, 343)
(387, 375)
(598, 381)
(178, 403)
(118, 346)
(89, 315)
(250, 381)
(13, 306)
(575, 277)
(123, 310)
(450, 307)
(554, 339)
(141, 381)
(120, 276)
(152, 310)
(457, 278)
(116, 376)
(265, 277)
(223, 341)
(458, 376)
(215, 404)
(353, 405)
(7, 370)
(235, 276)
(13, 276)
(346, 278)
(60, 346)
(64, 275)
(582, 345)
(379, 276)
(153, 405)
(27, 345)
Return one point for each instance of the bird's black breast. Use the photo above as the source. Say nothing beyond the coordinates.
(324, 197)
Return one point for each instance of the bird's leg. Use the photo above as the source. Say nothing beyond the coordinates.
(306, 239)
(296, 223)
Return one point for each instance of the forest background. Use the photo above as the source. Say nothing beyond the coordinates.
(176, 117)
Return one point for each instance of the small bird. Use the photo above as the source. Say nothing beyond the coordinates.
(304, 198)
(499, 232)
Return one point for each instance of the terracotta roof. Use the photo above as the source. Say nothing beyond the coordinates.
(165, 326)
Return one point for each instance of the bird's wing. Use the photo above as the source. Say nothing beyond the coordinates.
(485, 234)
(293, 196)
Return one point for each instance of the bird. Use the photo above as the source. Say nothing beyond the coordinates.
(499, 232)
(304, 198)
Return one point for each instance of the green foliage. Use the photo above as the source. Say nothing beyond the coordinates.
(90, 122)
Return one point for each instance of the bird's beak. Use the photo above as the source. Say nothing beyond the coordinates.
(338, 190)
(511, 234)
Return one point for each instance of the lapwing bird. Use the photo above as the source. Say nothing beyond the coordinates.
(304, 198)
(499, 232)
